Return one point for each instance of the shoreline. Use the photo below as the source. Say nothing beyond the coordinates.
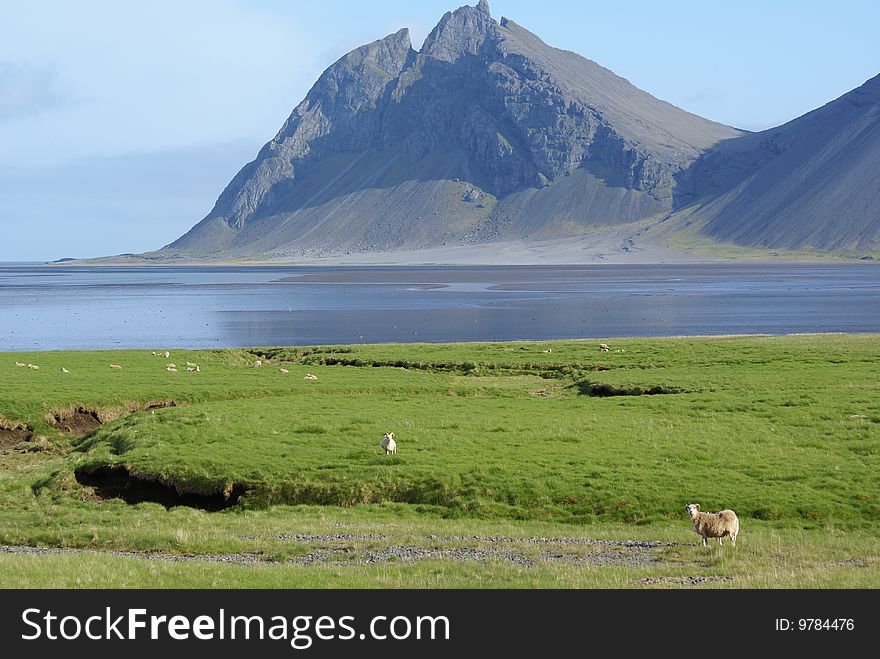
(625, 245)
(540, 342)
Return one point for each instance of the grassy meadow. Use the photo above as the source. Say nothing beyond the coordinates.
(519, 465)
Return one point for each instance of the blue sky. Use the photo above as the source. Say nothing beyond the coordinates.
(121, 122)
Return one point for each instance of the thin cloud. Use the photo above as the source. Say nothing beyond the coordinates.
(27, 89)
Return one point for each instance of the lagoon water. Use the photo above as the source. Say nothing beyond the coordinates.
(61, 308)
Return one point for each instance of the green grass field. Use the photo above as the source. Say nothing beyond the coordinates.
(519, 465)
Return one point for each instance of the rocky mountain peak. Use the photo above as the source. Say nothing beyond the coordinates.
(487, 133)
(460, 32)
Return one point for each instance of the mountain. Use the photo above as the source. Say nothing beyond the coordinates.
(813, 183)
(487, 134)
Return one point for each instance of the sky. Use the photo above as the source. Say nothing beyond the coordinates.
(121, 122)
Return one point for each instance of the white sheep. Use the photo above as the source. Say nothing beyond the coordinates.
(33, 367)
(389, 444)
(258, 363)
(714, 525)
(171, 369)
(167, 354)
(283, 370)
(115, 366)
(604, 347)
(19, 365)
(64, 370)
(311, 377)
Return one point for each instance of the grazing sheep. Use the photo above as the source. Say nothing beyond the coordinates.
(192, 369)
(171, 369)
(190, 364)
(258, 363)
(64, 370)
(389, 444)
(115, 366)
(604, 347)
(548, 351)
(283, 370)
(309, 376)
(19, 365)
(714, 525)
(166, 354)
(155, 354)
(33, 367)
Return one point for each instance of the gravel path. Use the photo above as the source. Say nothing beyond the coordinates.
(234, 559)
(613, 552)
(684, 581)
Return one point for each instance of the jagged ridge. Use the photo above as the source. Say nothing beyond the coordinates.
(484, 133)
(487, 133)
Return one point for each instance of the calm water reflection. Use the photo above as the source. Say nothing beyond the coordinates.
(52, 308)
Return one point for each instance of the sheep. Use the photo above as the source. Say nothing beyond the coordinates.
(33, 367)
(19, 365)
(548, 351)
(309, 376)
(714, 525)
(115, 367)
(283, 370)
(192, 369)
(389, 444)
(171, 369)
(604, 347)
(190, 364)
(167, 354)
(258, 363)
(64, 370)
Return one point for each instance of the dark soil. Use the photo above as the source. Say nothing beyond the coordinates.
(607, 390)
(162, 404)
(12, 436)
(118, 483)
(79, 422)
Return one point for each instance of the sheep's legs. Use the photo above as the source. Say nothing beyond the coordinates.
(705, 544)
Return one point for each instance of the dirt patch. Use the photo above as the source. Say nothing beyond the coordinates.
(684, 581)
(11, 435)
(118, 483)
(77, 421)
(160, 405)
(599, 390)
(82, 420)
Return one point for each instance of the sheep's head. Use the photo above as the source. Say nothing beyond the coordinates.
(693, 509)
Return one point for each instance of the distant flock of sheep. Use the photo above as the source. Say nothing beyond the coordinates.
(707, 525)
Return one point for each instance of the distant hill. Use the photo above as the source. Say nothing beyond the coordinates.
(812, 183)
(487, 134)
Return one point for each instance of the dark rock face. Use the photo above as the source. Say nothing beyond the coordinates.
(485, 134)
(472, 138)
